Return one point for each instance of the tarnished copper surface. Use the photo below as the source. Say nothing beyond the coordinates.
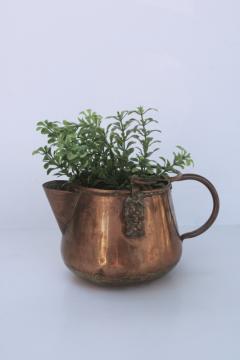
(95, 244)
(133, 215)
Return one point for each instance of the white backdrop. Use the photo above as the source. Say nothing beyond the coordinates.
(181, 56)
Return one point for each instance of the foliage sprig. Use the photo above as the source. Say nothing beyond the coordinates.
(95, 154)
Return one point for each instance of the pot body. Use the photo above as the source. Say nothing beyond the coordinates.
(119, 237)
(95, 243)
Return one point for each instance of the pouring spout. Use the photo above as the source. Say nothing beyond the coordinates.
(62, 202)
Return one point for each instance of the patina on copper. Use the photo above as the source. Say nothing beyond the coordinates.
(133, 212)
(119, 237)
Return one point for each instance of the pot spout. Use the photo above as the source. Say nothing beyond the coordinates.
(62, 202)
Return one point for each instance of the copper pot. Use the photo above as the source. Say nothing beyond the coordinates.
(118, 236)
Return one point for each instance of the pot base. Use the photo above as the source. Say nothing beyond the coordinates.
(100, 279)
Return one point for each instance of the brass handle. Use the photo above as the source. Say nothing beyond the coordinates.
(215, 198)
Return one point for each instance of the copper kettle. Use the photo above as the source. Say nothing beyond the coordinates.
(121, 237)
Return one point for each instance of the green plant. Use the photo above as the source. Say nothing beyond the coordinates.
(97, 155)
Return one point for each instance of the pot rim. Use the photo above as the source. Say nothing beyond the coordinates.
(47, 183)
(105, 191)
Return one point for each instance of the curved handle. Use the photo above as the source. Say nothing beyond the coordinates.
(215, 198)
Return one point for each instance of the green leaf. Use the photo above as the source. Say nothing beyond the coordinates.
(35, 152)
(49, 170)
(67, 123)
(44, 131)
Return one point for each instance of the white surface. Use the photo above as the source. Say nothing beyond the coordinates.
(47, 313)
(181, 56)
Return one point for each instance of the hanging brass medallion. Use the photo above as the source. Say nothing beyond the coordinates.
(133, 213)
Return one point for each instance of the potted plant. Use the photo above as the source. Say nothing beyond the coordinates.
(115, 208)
